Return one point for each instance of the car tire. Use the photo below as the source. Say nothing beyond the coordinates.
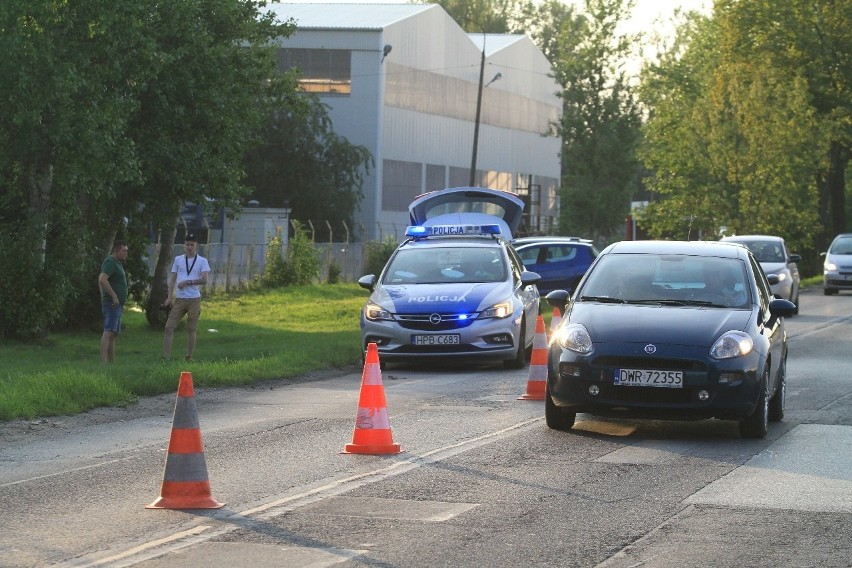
(757, 424)
(556, 418)
(779, 399)
(796, 301)
(829, 291)
(520, 358)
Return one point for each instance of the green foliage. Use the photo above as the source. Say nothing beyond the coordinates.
(276, 272)
(600, 124)
(301, 264)
(113, 114)
(302, 257)
(334, 273)
(302, 164)
(245, 339)
(377, 254)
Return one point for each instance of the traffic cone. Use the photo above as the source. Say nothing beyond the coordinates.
(555, 320)
(538, 364)
(185, 483)
(372, 428)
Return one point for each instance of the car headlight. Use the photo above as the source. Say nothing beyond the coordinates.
(574, 337)
(375, 312)
(782, 276)
(830, 267)
(500, 310)
(732, 344)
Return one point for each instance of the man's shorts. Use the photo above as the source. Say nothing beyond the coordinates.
(112, 316)
(189, 306)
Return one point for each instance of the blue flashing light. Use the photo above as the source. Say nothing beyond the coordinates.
(417, 231)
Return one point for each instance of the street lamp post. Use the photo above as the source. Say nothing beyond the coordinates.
(478, 113)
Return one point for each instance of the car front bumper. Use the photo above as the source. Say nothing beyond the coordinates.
(586, 385)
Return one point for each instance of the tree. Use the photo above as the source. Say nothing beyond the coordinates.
(600, 122)
(113, 114)
(303, 164)
(733, 140)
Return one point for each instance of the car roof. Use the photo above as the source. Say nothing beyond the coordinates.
(701, 248)
(553, 239)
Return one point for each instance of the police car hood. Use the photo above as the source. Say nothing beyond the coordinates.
(468, 205)
(441, 298)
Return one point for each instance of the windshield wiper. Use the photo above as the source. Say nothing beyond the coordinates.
(602, 299)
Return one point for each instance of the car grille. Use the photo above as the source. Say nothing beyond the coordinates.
(644, 395)
(660, 364)
(423, 322)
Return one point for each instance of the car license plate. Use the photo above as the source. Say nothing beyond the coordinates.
(436, 339)
(648, 378)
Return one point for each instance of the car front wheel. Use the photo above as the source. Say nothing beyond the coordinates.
(778, 400)
(555, 417)
(757, 425)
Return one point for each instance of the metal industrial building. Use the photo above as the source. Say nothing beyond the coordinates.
(403, 80)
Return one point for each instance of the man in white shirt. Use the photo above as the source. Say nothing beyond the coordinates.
(189, 271)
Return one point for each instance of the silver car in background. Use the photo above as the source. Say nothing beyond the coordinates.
(837, 267)
(774, 258)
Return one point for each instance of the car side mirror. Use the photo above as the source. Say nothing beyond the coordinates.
(528, 277)
(772, 279)
(795, 258)
(367, 282)
(782, 308)
(558, 299)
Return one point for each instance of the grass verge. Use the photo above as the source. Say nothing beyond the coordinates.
(265, 335)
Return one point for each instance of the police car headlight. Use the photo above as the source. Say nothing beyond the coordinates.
(732, 344)
(375, 312)
(575, 337)
(501, 310)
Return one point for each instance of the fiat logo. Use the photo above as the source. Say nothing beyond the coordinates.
(435, 319)
(650, 349)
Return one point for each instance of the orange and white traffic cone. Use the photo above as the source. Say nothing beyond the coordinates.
(372, 428)
(538, 364)
(555, 321)
(185, 482)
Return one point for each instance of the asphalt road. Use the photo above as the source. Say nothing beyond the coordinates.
(481, 481)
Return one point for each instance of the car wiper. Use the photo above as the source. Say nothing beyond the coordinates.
(602, 299)
(678, 303)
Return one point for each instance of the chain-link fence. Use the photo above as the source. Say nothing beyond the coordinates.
(233, 267)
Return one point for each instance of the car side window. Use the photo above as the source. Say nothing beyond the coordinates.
(529, 255)
(515, 263)
(763, 294)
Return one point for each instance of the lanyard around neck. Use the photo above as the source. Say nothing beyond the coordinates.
(189, 266)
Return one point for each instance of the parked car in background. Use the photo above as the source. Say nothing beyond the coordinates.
(772, 254)
(670, 330)
(560, 261)
(837, 267)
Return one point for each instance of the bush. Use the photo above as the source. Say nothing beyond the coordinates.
(301, 265)
(378, 253)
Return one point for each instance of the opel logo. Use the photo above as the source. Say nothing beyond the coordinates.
(435, 319)
(650, 349)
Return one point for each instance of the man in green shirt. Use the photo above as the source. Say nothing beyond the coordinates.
(113, 284)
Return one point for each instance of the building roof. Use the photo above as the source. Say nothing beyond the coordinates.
(326, 16)
(493, 42)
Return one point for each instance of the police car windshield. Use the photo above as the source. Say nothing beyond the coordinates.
(441, 265)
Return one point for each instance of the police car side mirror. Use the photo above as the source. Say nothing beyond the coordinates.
(367, 282)
(528, 277)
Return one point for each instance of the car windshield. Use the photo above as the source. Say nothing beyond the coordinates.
(766, 251)
(434, 265)
(667, 279)
(842, 245)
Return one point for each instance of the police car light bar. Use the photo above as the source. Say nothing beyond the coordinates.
(418, 231)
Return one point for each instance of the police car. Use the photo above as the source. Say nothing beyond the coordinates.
(455, 287)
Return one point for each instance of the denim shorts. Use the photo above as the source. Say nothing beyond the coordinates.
(112, 316)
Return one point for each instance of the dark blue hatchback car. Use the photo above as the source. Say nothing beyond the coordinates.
(560, 261)
(670, 330)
